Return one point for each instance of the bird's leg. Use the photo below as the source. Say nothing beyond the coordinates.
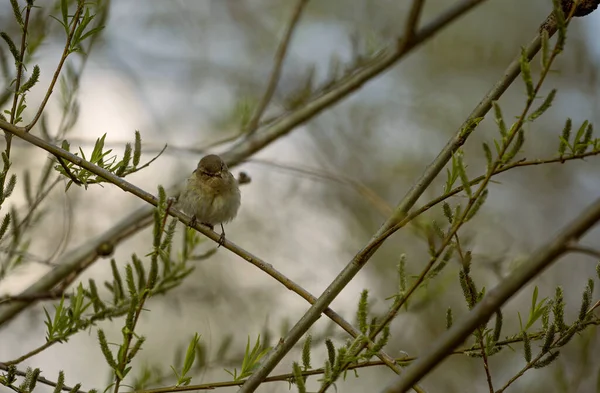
(222, 238)
(193, 221)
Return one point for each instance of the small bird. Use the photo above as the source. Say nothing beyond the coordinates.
(211, 195)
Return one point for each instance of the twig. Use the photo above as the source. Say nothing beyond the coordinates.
(412, 21)
(277, 66)
(63, 58)
(31, 353)
(42, 380)
(53, 295)
(20, 66)
(481, 329)
(584, 250)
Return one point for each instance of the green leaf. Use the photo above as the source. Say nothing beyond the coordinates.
(137, 151)
(477, 205)
(499, 119)
(460, 167)
(526, 346)
(60, 382)
(547, 360)
(33, 79)
(545, 48)
(526, 74)
(306, 352)
(363, 310)
(561, 25)
(64, 9)
(330, 351)
(12, 48)
(545, 105)
(190, 355)
(488, 156)
(17, 12)
(4, 225)
(516, 147)
(564, 138)
(447, 212)
(298, 378)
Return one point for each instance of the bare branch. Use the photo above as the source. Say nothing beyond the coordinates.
(277, 66)
(412, 21)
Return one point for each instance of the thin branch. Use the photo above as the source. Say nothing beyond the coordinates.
(65, 54)
(20, 66)
(481, 329)
(31, 353)
(53, 295)
(41, 379)
(412, 21)
(277, 66)
(594, 253)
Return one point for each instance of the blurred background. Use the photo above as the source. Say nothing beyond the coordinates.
(179, 71)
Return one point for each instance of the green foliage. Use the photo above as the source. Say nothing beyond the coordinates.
(67, 320)
(299, 379)
(526, 346)
(558, 308)
(251, 360)
(537, 310)
(499, 119)
(449, 318)
(103, 158)
(190, 356)
(526, 74)
(363, 311)
(544, 107)
(545, 51)
(306, 353)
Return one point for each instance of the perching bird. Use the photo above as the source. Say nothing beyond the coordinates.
(211, 195)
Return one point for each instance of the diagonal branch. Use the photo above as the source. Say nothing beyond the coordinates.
(277, 66)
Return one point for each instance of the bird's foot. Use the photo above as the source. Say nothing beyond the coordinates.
(222, 237)
(193, 221)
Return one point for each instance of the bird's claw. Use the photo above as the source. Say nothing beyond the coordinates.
(221, 239)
